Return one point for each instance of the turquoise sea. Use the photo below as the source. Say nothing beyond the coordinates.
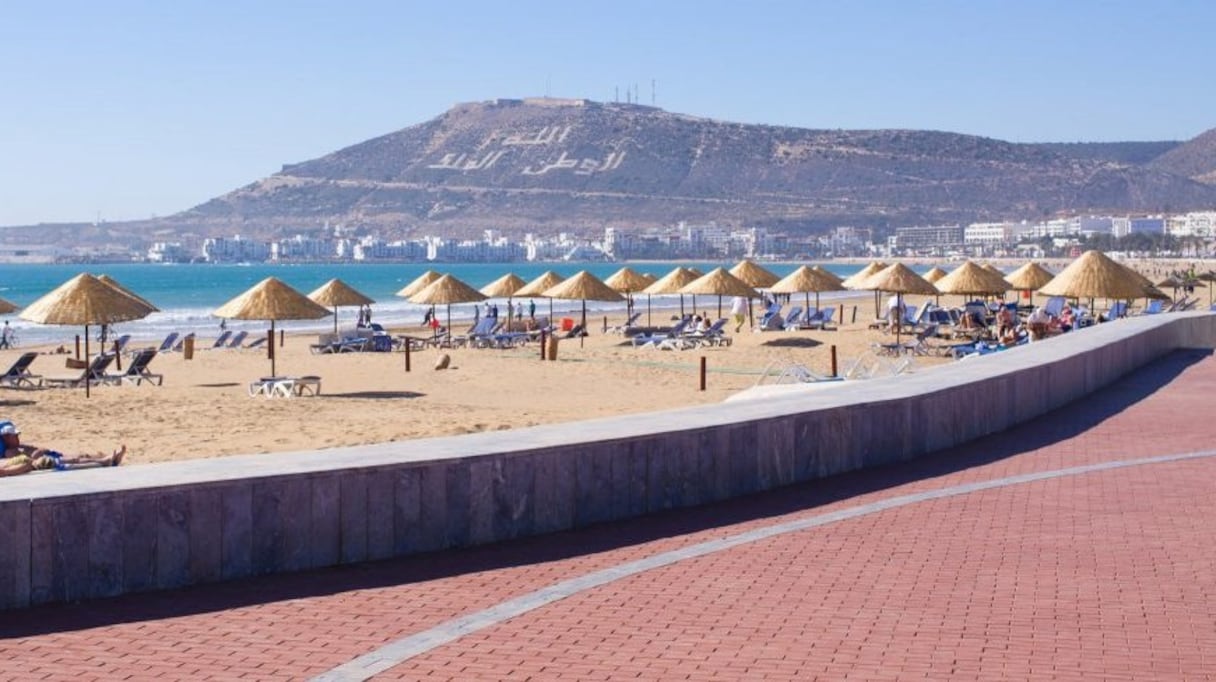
(187, 294)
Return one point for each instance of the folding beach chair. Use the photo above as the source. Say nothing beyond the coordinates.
(138, 372)
(19, 374)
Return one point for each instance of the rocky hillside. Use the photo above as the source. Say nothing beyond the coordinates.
(1195, 159)
(546, 165)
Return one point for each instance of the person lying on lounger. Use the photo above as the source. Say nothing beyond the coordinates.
(18, 459)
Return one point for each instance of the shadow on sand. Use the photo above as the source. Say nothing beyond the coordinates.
(1068, 422)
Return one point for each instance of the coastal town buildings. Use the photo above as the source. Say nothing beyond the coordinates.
(1193, 233)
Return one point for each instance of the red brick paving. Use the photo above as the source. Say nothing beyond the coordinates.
(1106, 575)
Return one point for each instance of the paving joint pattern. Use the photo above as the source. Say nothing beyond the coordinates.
(1108, 575)
(402, 650)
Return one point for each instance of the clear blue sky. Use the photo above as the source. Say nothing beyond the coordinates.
(129, 109)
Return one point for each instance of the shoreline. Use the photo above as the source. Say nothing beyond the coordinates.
(203, 409)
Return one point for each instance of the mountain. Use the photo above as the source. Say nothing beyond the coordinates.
(545, 165)
(1195, 159)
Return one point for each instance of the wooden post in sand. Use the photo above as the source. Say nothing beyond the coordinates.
(702, 372)
(833, 359)
(543, 343)
(117, 357)
(78, 346)
(282, 336)
(407, 355)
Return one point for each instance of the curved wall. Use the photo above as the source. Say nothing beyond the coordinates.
(100, 533)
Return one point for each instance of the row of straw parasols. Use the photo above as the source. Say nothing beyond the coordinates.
(87, 300)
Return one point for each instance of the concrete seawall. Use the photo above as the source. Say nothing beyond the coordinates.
(99, 533)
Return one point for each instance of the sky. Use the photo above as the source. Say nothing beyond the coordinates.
(124, 109)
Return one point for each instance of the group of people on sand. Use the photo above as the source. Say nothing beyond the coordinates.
(18, 458)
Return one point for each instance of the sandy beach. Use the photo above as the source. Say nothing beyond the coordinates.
(204, 410)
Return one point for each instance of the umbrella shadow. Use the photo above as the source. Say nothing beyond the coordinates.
(18, 402)
(794, 342)
(1062, 424)
(377, 395)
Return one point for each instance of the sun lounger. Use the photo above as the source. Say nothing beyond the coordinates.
(95, 372)
(794, 319)
(181, 343)
(654, 339)
(222, 339)
(237, 339)
(138, 372)
(820, 320)
(623, 328)
(771, 320)
(714, 336)
(19, 374)
(285, 387)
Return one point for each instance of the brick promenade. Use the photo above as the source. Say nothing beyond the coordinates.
(1104, 574)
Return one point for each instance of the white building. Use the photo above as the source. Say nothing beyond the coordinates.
(987, 234)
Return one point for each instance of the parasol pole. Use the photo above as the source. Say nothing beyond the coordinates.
(899, 308)
(270, 347)
(88, 367)
(648, 322)
(335, 319)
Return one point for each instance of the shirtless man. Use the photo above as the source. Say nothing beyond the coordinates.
(18, 459)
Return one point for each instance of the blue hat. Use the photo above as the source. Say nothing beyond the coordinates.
(7, 427)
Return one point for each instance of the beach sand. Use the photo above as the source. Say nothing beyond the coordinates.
(204, 410)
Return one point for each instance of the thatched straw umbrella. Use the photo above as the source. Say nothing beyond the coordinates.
(504, 287)
(272, 300)
(335, 293)
(627, 281)
(7, 306)
(420, 282)
(806, 280)
(671, 283)
(118, 285)
(755, 277)
(721, 283)
(86, 300)
(829, 274)
(972, 279)
(539, 286)
(1210, 278)
(935, 273)
(445, 291)
(1029, 278)
(583, 286)
(1094, 275)
(1176, 282)
(900, 279)
(858, 279)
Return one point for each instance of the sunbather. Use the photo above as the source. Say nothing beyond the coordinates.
(20, 459)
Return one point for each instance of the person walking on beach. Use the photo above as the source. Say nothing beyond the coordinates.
(531, 309)
(17, 459)
(6, 336)
(738, 308)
